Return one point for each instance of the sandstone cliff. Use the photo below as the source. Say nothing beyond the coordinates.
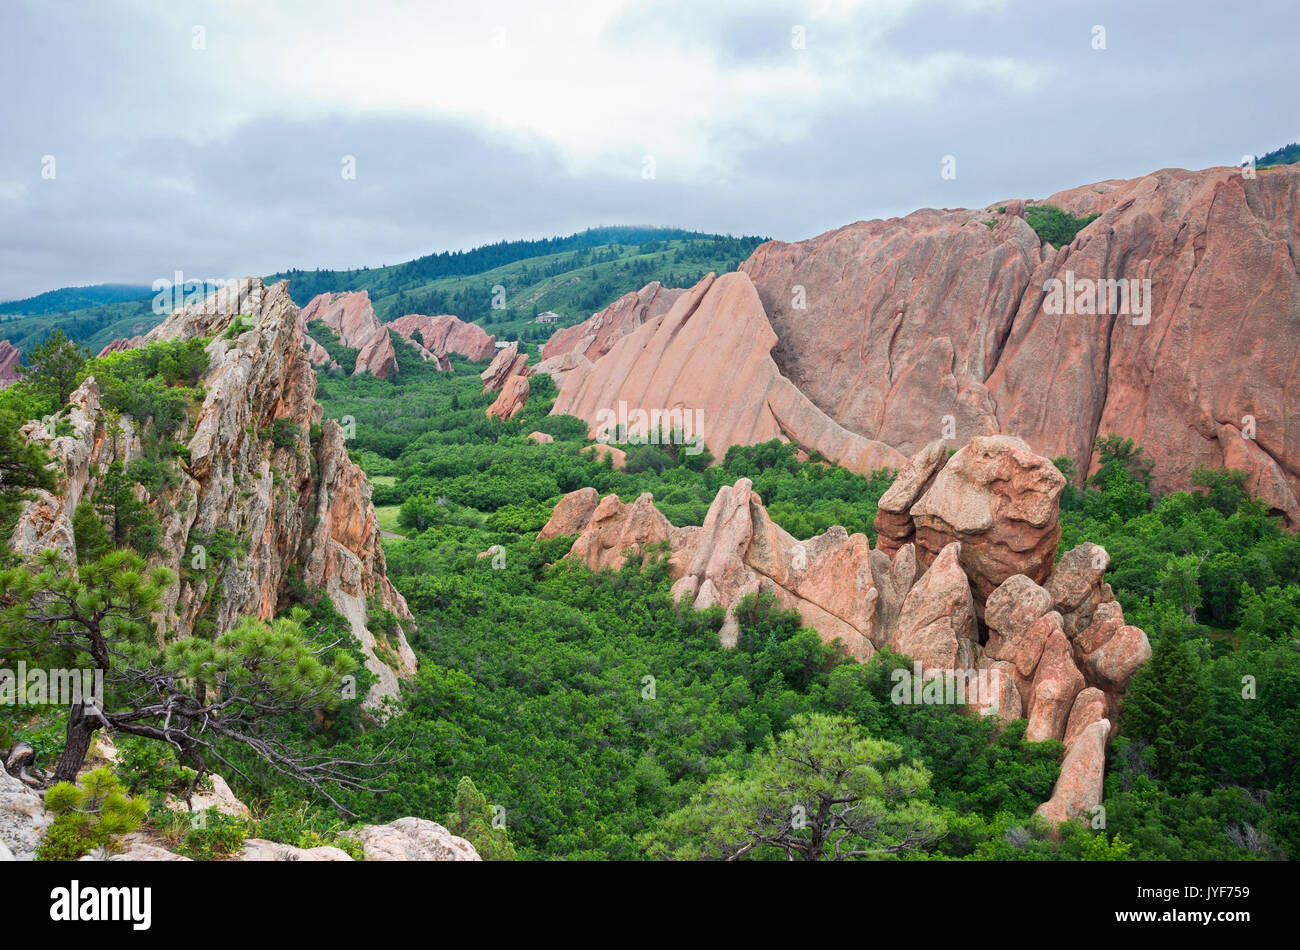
(302, 508)
(938, 324)
(709, 357)
(595, 336)
(959, 592)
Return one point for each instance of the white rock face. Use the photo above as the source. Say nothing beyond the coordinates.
(414, 839)
(23, 819)
(256, 849)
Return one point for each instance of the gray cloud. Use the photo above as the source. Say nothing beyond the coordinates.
(143, 189)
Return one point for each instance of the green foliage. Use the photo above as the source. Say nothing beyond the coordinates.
(822, 789)
(472, 818)
(56, 367)
(89, 817)
(1054, 226)
(155, 382)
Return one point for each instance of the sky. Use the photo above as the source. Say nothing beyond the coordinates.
(221, 139)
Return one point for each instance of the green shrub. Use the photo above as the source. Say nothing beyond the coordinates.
(89, 817)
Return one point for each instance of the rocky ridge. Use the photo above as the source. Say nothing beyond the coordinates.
(302, 508)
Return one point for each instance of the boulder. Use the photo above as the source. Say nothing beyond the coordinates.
(1056, 683)
(894, 525)
(1002, 502)
(257, 849)
(414, 839)
(1079, 788)
(937, 626)
(23, 818)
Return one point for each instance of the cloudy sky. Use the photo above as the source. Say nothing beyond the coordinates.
(141, 138)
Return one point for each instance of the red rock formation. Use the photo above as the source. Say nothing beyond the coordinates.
(353, 320)
(937, 624)
(514, 394)
(508, 362)
(10, 371)
(995, 496)
(737, 551)
(446, 334)
(709, 357)
(1079, 789)
(933, 324)
(1058, 654)
(304, 506)
(594, 337)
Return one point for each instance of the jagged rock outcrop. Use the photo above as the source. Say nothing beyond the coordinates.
(445, 334)
(709, 357)
(1002, 502)
(511, 401)
(352, 318)
(738, 550)
(10, 370)
(507, 362)
(1057, 653)
(595, 336)
(301, 507)
(901, 329)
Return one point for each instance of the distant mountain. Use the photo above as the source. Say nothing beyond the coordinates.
(573, 276)
(75, 298)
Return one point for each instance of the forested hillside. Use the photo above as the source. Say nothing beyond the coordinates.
(572, 276)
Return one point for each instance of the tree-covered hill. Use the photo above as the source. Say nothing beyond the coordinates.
(573, 276)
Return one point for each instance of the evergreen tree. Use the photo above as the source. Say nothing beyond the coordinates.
(472, 819)
(56, 367)
(1167, 707)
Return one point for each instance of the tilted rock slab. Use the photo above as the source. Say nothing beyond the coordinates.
(352, 318)
(507, 362)
(445, 334)
(10, 370)
(595, 336)
(710, 355)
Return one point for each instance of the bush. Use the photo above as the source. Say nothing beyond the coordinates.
(89, 817)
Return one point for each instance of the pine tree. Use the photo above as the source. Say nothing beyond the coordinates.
(472, 819)
(56, 366)
(1167, 707)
